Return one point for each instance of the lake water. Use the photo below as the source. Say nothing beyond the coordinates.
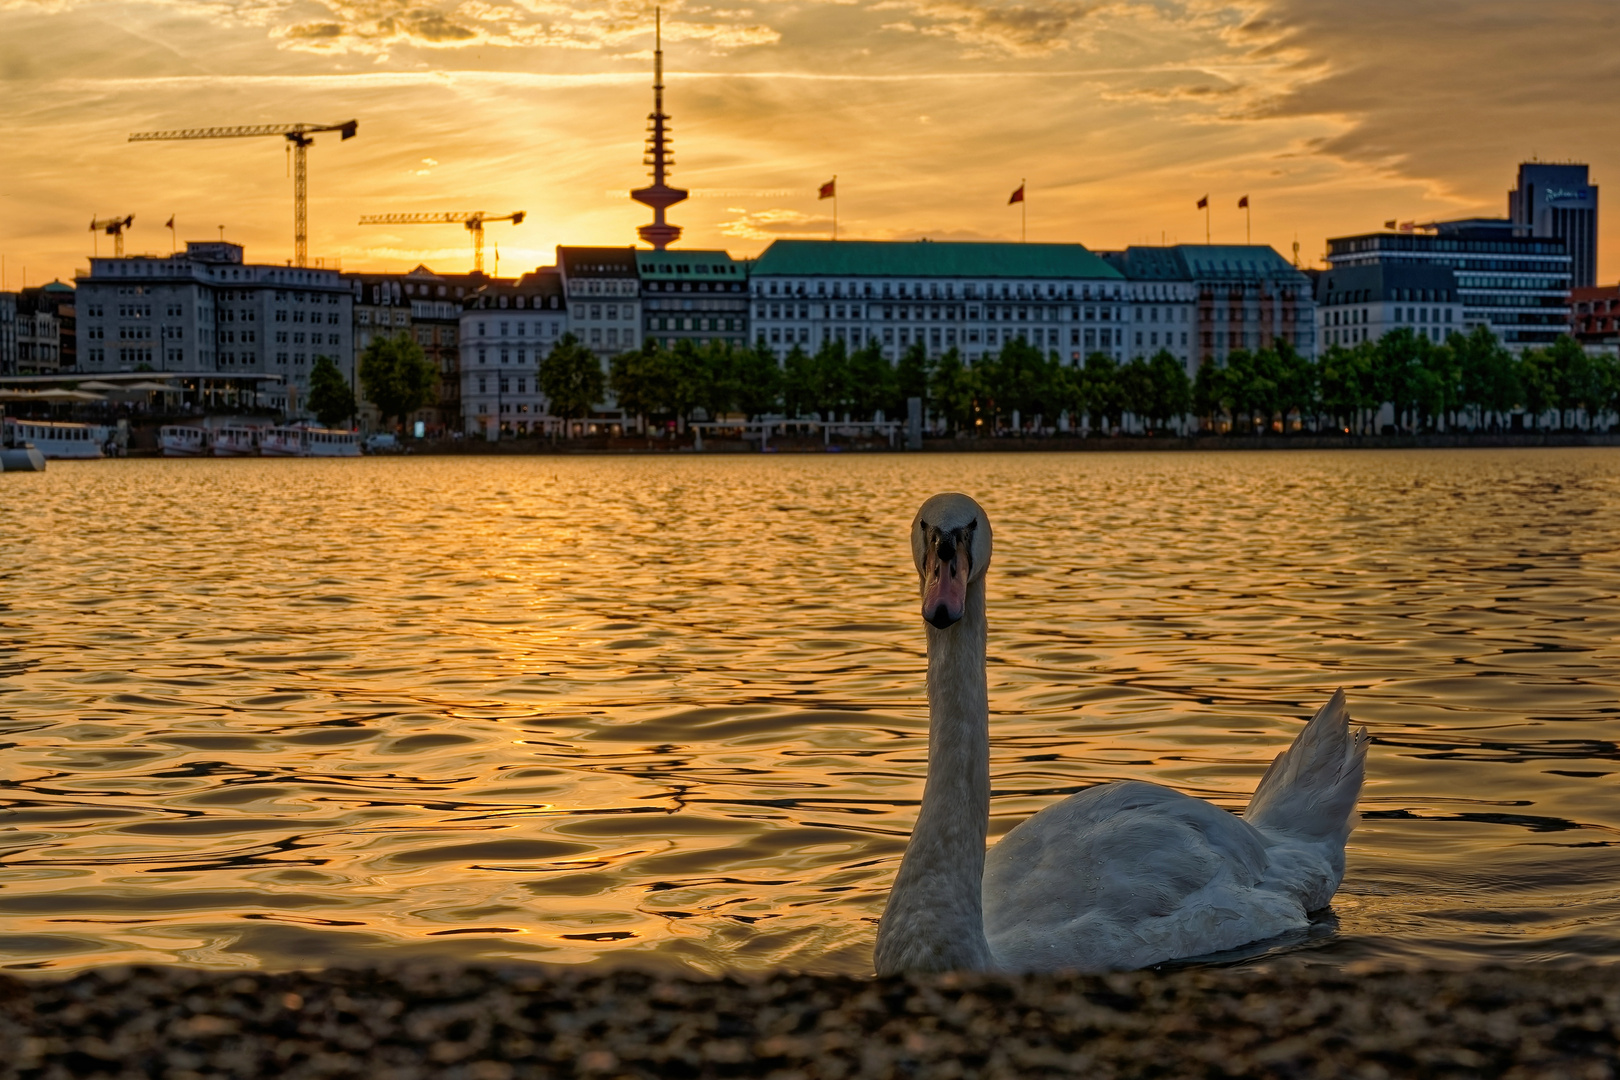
(668, 711)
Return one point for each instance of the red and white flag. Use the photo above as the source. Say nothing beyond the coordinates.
(1017, 196)
(829, 190)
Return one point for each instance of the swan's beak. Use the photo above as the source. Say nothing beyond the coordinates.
(945, 578)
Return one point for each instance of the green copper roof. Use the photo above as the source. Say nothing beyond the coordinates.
(688, 266)
(929, 258)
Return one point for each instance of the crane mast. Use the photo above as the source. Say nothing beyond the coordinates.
(298, 136)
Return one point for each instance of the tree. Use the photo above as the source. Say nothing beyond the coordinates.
(635, 376)
(397, 376)
(1342, 380)
(1020, 378)
(1209, 392)
(1296, 381)
(1100, 391)
(571, 378)
(1539, 382)
(1488, 377)
(829, 379)
(954, 388)
(1169, 390)
(330, 397)
(869, 379)
(758, 379)
(911, 377)
(798, 382)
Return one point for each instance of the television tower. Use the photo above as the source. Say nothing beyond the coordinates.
(658, 195)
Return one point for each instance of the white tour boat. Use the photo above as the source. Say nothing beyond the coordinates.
(309, 442)
(179, 441)
(58, 440)
(234, 440)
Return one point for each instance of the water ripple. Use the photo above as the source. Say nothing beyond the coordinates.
(669, 711)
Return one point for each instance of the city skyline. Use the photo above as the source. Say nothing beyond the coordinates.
(1325, 120)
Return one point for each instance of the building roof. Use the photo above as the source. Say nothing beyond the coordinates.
(1378, 281)
(597, 261)
(541, 289)
(930, 258)
(1237, 261)
(689, 266)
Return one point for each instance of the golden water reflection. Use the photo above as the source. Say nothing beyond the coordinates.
(668, 710)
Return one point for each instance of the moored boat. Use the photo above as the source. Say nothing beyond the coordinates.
(234, 440)
(180, 441)
(309, 442)
(56, 440)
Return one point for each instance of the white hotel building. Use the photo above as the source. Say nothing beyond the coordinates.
(973, 297)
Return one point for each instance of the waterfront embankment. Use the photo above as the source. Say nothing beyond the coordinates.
(1014, 444)
(501, 1024)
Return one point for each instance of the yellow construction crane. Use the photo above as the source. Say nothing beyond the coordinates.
(298, 137)
(474, 221)
(113, 227)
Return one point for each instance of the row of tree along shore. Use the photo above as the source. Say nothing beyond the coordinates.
(1401, 383)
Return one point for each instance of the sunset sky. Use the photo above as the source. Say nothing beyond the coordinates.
(1331, 116)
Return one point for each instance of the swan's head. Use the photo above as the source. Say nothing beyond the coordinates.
(950, 543)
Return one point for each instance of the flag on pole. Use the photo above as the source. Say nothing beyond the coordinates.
(170, 225)
(1203, 204)
(1390, 224)
(829, 190)
(1243, 203)
(1017, 196)
(1408, 226)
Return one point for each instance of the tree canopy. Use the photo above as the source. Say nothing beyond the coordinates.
(397, 376)
(330, 397)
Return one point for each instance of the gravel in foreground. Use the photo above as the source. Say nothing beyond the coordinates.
(484, 1024)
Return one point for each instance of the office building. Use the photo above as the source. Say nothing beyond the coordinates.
(1517, 285)
(1560, 202)
(1222, 297)
(506, 328)
(973, 297)
(603, 289)
(1363, 303)
(1595, 318)
(207, 310)
(701, 296)
(427, 307)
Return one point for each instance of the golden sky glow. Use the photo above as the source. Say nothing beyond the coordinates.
(1332, 117)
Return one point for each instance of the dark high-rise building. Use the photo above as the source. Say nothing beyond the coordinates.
(1558, 201)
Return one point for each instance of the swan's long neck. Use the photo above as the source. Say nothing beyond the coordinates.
(935, 917)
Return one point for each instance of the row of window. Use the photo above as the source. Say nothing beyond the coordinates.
(947, 291)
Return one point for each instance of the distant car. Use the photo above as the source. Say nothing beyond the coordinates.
(382, 443)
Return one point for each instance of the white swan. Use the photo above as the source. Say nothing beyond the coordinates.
(1119, 876)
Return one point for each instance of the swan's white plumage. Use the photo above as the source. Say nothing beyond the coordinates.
(1121, 875)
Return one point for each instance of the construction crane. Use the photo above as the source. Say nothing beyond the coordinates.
(113, 227)
(298, 136)
(474, 220)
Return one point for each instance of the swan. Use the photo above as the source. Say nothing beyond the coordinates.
(1119, 876)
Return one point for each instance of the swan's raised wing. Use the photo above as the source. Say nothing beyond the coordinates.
(1126, 875)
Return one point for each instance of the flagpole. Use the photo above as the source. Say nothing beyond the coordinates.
(1206, 219)
(835, 206)
(1023, 211)
(1248, 222)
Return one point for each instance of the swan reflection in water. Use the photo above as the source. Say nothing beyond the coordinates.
(1119, 876)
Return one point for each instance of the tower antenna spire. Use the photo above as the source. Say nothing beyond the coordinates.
(658, 195)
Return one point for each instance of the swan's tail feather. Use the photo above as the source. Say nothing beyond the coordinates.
(1310, 791)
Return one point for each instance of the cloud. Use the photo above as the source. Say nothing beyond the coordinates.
(1452, 93)
(1014, 29)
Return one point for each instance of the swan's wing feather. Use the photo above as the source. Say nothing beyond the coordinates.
(1126, 875)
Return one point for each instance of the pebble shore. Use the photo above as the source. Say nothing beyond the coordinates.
(501, 1024)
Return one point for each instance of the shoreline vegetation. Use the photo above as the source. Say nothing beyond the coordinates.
(404, 1023)
(1404, 383)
